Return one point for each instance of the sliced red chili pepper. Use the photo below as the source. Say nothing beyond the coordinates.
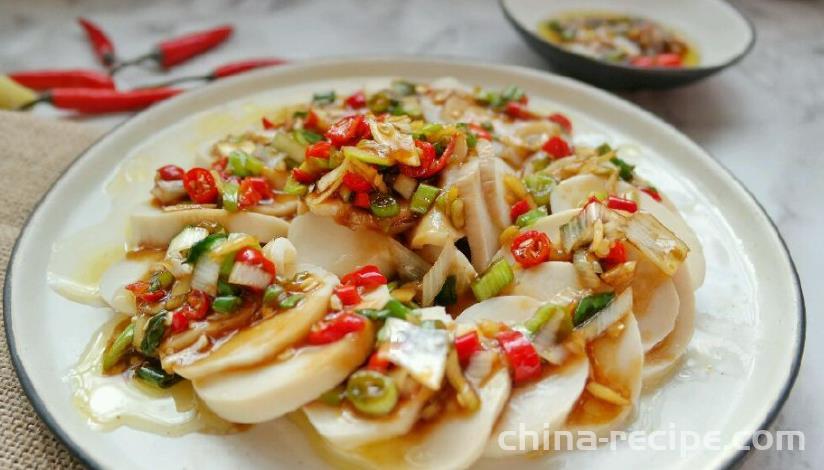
(170, 173)
(334, 327)
(179, 322)
(466, 345)
(252, 257)
(427, 156)
(151, 297)
(562, 121)
(521, 354)
(356, 182)
(310, 122)
(518, 209)
(198, 303)
(617, 254)
(480, 132)
(303, 176)
(348, 295)
(621, 204)
(653, 193)
(180, 49)
(347, 130)
(378, 362)
(557, 147)
(669, 60)
(356, 100)
(47, 79)
(430, 165)
(366, 276)
(252, 190)
(138, 287)
(267, 124)
(518, 110)
(259, 184)
(643, 61)
(101, 44)
(319, 150)
(531, 248)
(361, 200)
(99, 100)
(201, 186)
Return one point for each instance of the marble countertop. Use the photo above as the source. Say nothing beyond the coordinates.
(763, 119)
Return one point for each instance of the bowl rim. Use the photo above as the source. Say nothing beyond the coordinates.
(87, 460)
(663, 72)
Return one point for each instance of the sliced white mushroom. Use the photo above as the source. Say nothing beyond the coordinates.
(346, 429)
(270, 390)
(617, 360)
(150, 227)
(492, 172)
(572, 192)
(114, 281)
(507, 308)
(551, 224)
(541, 406)
(323, 242)
(660, 361)
(657, 319)
(263, 341)
(546, 280)
(481, 231)
(455, 441)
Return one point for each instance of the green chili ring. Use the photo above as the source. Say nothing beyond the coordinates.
(372, 393)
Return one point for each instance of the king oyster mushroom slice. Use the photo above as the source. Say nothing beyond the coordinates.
(150, 227)
(322, 242)
(572, 192)
(546, 280)
(481, 231)
(455, 441)
(265, 340)
(272, 389)
(535, 405)
(656, 303)
(660, 361)
(346, 429)
(618, 361)
(122, 273)
(492, 172)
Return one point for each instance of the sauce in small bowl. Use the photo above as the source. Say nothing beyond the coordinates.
(620, 39)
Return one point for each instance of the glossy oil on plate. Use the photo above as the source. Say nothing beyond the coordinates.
(734, 379)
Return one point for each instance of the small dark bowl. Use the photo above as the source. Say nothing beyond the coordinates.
(719, 32)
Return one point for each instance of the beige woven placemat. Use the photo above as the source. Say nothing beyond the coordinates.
(33, 153)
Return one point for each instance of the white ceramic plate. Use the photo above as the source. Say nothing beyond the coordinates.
(737, 374)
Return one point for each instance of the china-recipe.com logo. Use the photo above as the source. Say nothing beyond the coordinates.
(683, 441)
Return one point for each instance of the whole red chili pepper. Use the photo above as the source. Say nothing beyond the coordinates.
(101, 44)
(226, 70)
(94, 101)
(174, 51)
(70, 78)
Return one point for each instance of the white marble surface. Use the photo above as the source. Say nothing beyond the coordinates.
(763, 119)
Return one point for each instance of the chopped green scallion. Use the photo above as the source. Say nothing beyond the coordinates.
(423, 198)
(493, 280)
